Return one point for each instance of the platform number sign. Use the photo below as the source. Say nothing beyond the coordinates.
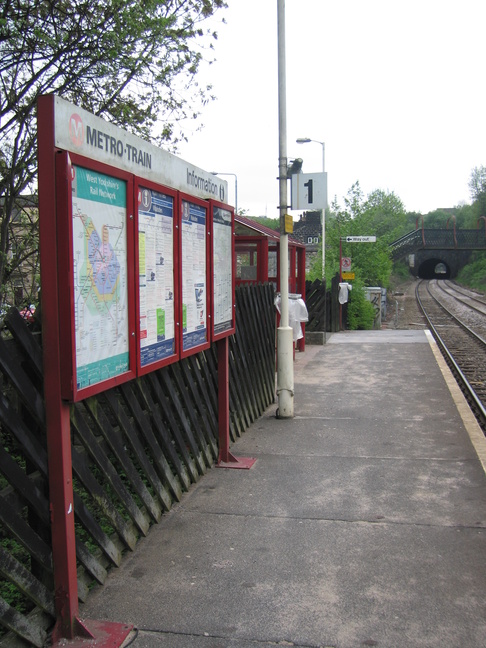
(309, 190)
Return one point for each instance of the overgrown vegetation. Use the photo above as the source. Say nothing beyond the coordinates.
(474, 274)
(361, 313)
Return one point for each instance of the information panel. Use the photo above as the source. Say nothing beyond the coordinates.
(223, 270)
(156, 277)
(194, 280)
(100, 262)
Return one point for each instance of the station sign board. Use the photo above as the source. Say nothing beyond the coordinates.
(78, 131)
(144, 241)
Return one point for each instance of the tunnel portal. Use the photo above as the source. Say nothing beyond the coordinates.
(434, 269)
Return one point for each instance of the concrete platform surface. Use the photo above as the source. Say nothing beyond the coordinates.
(362, 522)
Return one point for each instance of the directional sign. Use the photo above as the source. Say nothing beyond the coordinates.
(360, 239)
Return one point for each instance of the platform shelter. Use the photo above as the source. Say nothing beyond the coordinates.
(258, 256)
(257, 251)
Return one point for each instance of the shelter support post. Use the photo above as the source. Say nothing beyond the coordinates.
(226, 459)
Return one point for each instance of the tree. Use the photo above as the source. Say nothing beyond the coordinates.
(477, 188)
(133, 62)
(381, 214)
(386, 213)
(354, 200)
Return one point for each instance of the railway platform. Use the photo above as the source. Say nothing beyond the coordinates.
(362, 522)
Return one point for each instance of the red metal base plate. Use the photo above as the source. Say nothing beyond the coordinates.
(244, 463)
(102, 634)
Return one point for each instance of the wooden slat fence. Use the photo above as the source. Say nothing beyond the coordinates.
(322, 305)
(315, 300)
(136, 449)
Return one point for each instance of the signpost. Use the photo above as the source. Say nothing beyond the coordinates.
(345, 262)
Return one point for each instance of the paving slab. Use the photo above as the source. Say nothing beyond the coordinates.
(362, 522)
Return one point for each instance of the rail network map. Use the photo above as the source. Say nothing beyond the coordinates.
(100, 276)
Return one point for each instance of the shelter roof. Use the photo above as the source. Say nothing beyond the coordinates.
(251, 224)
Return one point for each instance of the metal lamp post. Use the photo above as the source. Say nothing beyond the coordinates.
(285, 341)
(236, 186)
(306, 140)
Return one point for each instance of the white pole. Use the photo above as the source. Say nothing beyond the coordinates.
(285, 341)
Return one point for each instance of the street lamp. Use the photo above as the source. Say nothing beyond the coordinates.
(306, 140)
(236, 186)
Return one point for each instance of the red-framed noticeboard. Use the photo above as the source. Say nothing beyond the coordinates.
(96, 265)
(223, 270)
(157, 276)
(91, 224)
(195, 277)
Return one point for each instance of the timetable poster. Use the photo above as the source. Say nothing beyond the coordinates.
(222, 269)
(194, 288)
(99, 217)
(156, 276)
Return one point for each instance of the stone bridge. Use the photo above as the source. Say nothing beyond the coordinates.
(438, 253)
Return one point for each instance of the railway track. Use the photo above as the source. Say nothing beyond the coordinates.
(457, 320)
(470, 299)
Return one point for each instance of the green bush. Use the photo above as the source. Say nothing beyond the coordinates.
(361, 313)
(474, 274)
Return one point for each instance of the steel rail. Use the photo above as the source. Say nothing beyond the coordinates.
(456, 290)
(462, 324)
(467, 389)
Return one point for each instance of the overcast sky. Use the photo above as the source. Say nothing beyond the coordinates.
(395, 89)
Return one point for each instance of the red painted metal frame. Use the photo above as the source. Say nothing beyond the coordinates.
(231, 329)
(66, 278)
(68, 624)
(145, 184)
(226, 459)
(184, 353)
(261, 243)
